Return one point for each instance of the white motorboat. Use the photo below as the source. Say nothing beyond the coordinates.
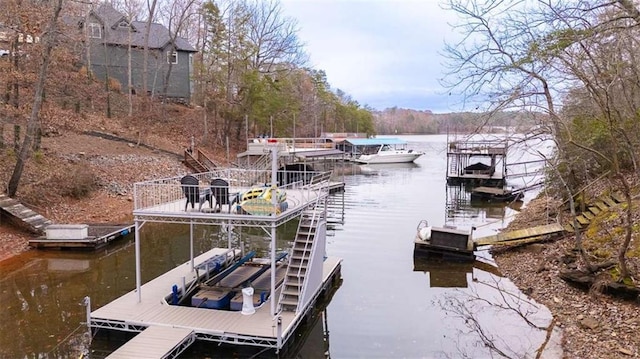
(387, 153)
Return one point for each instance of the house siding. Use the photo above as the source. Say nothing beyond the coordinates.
(113, 59)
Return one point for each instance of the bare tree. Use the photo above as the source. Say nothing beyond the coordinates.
(151, 7)
(177, 17)
(532, 55)
(48, 39)
(273, 38)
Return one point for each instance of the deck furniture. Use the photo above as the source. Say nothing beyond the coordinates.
(220, 191)
(191, 190)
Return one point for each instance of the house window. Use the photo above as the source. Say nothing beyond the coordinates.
(95, 30)
(172, 57)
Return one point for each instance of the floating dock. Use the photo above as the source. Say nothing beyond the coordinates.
(445, 243)
(96, 236)
(493, 194)
(220, 326)
(309, 276)
(451, 243)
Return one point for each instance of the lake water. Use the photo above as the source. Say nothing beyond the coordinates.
(387, 306)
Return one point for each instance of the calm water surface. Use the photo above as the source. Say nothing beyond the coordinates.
(388, 305)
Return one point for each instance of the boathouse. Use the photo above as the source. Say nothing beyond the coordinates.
(482, 162)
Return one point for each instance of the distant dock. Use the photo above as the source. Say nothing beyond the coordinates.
(83, 236)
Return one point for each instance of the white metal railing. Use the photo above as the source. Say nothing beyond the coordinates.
(168, 194)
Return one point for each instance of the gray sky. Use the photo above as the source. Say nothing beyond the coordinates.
(383, 53)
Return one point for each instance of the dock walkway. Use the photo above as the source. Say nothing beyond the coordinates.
(33, 221)
(156, 342)
(520, 235)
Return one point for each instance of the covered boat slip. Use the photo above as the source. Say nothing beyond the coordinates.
(126, 313)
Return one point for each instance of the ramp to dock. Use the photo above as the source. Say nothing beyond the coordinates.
(521, 234)
(156, 342)
(23, 215)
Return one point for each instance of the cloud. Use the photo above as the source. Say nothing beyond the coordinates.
(382, 53)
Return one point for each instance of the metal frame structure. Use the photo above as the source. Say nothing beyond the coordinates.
(163, 201)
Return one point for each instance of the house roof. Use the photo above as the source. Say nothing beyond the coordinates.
(375, 141)
(159, 35)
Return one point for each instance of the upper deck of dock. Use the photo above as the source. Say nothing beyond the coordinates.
(164, 200)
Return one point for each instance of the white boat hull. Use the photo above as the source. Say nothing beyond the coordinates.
(389, 157)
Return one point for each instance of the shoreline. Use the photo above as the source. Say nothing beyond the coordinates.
(593, 325)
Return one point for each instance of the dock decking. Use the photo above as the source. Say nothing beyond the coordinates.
(156, 342)
(259, 329)
(98, 236)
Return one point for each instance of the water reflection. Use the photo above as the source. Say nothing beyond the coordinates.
(381, 168)
(460, 207)
(499, 321)
(450, 274)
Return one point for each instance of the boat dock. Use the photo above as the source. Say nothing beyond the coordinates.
(466, 162)
(156, 342)
(93, 236)
(221, 326)
(493, 194)
(451, 243)
(158, 304)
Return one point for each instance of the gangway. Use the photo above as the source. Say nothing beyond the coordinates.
(525, 169)
(520, 235)
(156, 342)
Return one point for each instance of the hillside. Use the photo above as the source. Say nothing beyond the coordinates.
(79, 177)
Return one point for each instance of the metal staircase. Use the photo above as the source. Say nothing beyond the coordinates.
(453, 165)
(300, 259)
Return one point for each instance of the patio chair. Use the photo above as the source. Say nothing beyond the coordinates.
(220, 191)
(191, 190)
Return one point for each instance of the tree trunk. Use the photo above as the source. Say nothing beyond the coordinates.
(49, 40)
(16, 137)
(622, 251)
(145, 57)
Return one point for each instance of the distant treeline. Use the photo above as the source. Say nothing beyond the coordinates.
(403, 121)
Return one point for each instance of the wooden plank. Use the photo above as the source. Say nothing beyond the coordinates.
(609, 201)
(589, 216)
(489, 190)
(618, 198)
(543, 230)
(582, 220)
(154, 342)
(600, 204)
(595, 210)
